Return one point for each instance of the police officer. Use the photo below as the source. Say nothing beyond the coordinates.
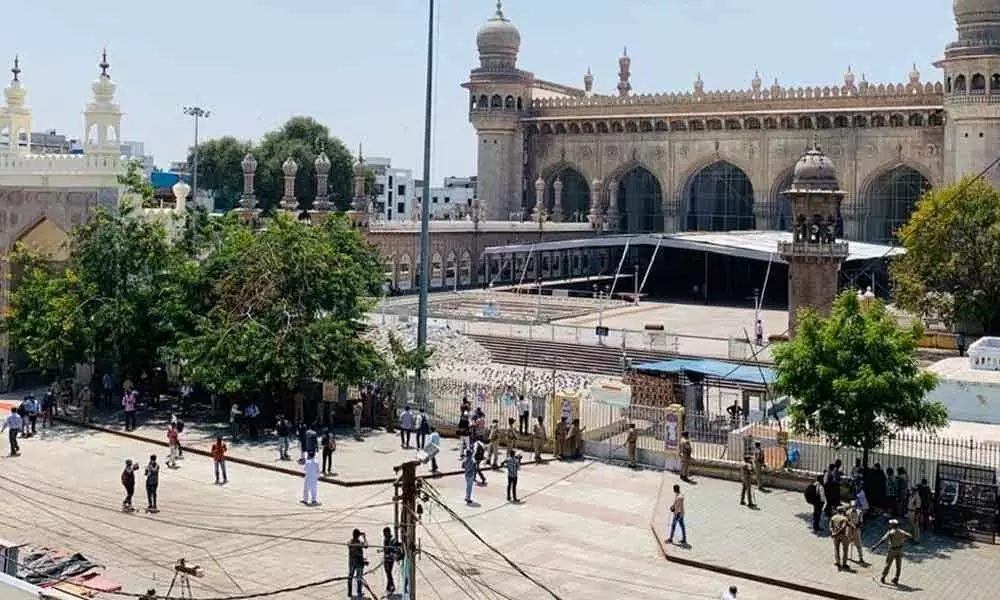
(916, 509)
(839, 526)
(758, 465)
(855, 521)
(538, 438)
(746, 478)
(510, 435)
(896, 538)
(631, 442)
(560, 437)
(685, 451)
(493, 437)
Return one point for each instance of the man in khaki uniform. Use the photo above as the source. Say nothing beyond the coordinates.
(86, 402)
(631, 442)
(510, 435)
(896, 538)
(916, 507)
(574, 440)
(758, 464)
(685, 452)
(746, 478)
(838, 533)
(560, 437)
(538, 439)
(493, 439)
(855, 520)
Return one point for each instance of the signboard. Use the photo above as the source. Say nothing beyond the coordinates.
(330, 391)
(966, 501)
(565, 404)
(613, 393)
(601, 331)
(673, 433)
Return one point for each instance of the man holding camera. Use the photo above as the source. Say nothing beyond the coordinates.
(356, 562)
(128, 482)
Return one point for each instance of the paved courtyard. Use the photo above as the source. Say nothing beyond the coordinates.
(253, 536)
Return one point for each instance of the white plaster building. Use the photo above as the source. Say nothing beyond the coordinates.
(453, 200)
(394, 190)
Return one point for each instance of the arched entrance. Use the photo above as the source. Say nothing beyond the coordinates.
(891, 198)
(719, 198)
(640, 202)
(782, 205)
(575, 195)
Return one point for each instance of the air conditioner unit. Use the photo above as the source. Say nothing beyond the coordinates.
(9, 557)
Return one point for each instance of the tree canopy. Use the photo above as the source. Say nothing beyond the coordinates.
(951, 269)
(301, 138)
(854, 377)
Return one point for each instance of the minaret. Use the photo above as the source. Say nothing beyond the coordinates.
(971, 96)
(289, 169)
(16, 116)
(503, 95)
(624, 64)
(247, 209)
(588, 83)
(358, 215)
(814, 255)
(103, 118)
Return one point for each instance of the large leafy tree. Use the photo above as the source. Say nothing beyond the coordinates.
(287, 304)
(854, 377)
(220, 169)
(951, 269)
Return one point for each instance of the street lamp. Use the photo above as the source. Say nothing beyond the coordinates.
(425, 212)
(198, 113)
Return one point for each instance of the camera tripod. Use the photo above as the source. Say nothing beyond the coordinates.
(183, 582)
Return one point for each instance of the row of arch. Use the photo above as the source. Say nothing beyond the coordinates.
(720, 197)
(972, 84)
(444, 271)
(496, 102)
(858, 121)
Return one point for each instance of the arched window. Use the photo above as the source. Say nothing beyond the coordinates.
(661, 126)
(896, 120)
(995, 83)
(404, 276)
(753, 123)
(960, 84)
(472, 102)
(916, 120)
(696, 125)
(841, 122)
(631, 127)
(520, 104)
(508, 103)
(733, 124)
(714, 125)
(782, 205)
(823, 122)
(560, 128)
(588, 128)
(616, 127)
(451, 270)
(496, 102)
(602, 127)
(719, 198)
(860, 121)
(437, 271)
(787, 123)
(978, 85)
(574, 128)
(947, 85)
(645, 126)
(770, 123)
(546, 129)
(484, 102)
(936, 119)
(465, 268)
(891, 198)
(575, 201)
(640, 202)
(678, 126)
(805, 123)
(878, 121)
(111, 134)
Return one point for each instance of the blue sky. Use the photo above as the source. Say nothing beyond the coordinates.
(359, 66)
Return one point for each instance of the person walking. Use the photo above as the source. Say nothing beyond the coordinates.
(492, 441)
(311, 480)
(758, 465)
(677, 518)
(172, 445)
(405, 427)
(838, 533)
(423, 427)
(329, 444)
(513, 464)
(86, 400)
(896, 539)
(746, 479)
(356, 562)
(358, 409)
(129, 402)
(538, 438)
(283, 430)
(758, 331)
(13, 424)
(107, 386)
(469, 469)
(855, 524)
(479, 454)
(219, 460)
(685, 450)
(916, 508)
(234, 421)
(33, 410)
(631, 443)
(152, 484)
(251, 414)
(523, 414)
(816, 496)
(128, 482)
(436, 442)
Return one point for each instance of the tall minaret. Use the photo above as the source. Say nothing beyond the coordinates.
(624, 74)
(103, 118)
(503, 96)
(972, 91)
(15, 117)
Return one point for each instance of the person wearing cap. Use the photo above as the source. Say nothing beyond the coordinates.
(896, 538)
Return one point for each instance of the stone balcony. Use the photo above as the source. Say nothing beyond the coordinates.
(457, 226)
(834, 250)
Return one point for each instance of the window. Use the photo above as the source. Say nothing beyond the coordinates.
(401, 190)
(390, 180)
(390, 195)
(401, 207)
(379, 189)
(434, 199)
(447, 199)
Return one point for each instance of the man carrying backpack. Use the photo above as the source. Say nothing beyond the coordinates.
(479, 452)
(816, 496)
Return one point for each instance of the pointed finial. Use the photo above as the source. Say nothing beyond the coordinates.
(815, 143)
(625, 51)
(499, 9)
(849, 68)
(588, 70)
(17, 68)
(756, 74)
(104, 63)
(361, 156)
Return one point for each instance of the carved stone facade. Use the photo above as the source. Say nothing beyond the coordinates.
(891, 142)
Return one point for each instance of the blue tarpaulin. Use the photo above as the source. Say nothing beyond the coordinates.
(716, 369)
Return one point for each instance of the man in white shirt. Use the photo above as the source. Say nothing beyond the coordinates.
(523, 414)
(13, 423)
(311, 484)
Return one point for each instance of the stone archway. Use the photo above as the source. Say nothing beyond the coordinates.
(404, 273)
(575, 199)
(890, 198)
(47, 238)
(640, 202)
(782, 205)
(465, 268)
(719, 197)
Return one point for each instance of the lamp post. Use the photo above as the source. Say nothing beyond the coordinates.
(425, 207)
(198, 113)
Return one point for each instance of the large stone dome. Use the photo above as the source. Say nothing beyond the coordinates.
(498, 37)
(815, 171)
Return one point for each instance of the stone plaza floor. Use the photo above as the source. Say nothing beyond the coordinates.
(253, 535)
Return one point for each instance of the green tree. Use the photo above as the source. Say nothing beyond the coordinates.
(854, 376)
(302, 138)
(287, 304)
(220, 169)
(138, 191)
(951, 269)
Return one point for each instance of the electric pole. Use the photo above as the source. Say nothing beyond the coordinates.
(408, 496)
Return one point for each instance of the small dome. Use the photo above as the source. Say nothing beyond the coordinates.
(181, 189)
(290, 167)
(249, 163)
(499, 36)
(322, 163)
(815, 171)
